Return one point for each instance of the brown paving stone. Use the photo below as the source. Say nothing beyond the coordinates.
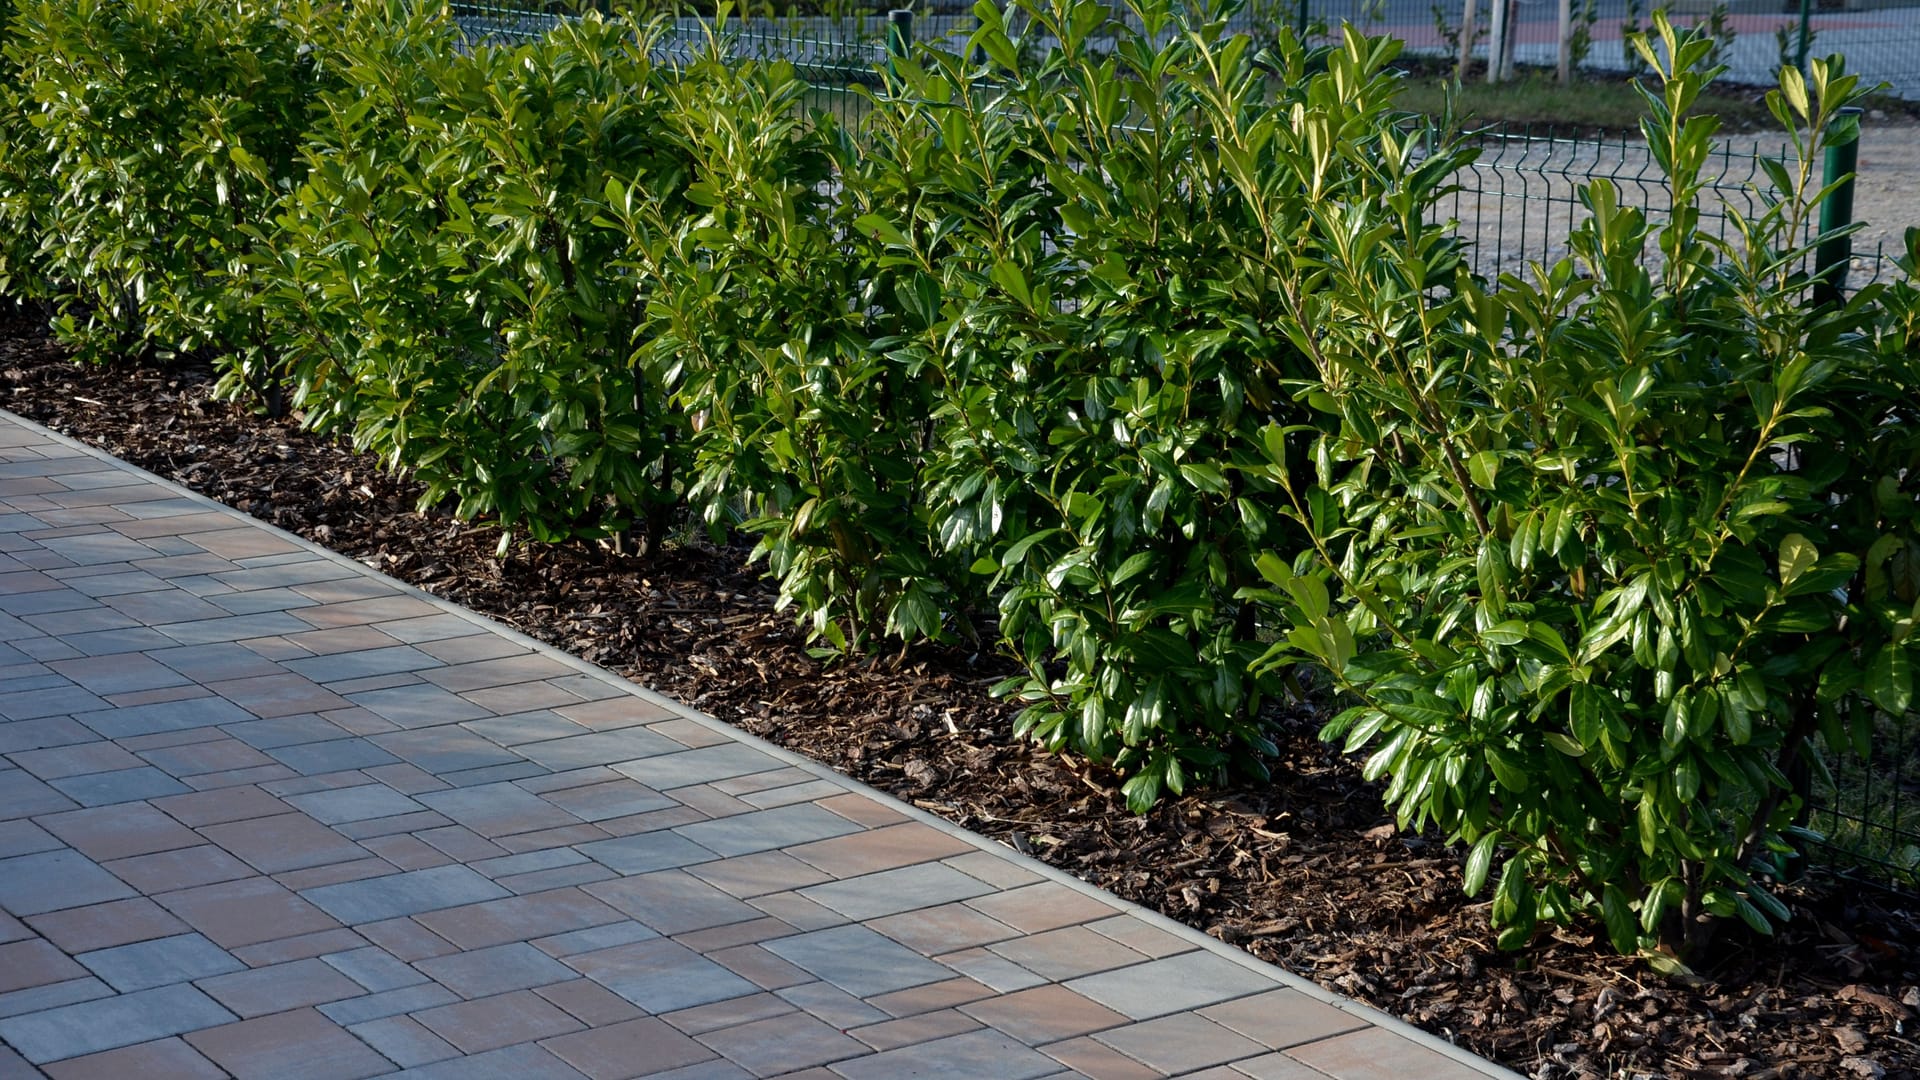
(519, 918)
(1043, 1014)
(1282, 1018)
(160, 740)
(616, 712)
(246, 912)
(268, 696)
(880, 850)
(348, 613)
(627, 1050)
(183, 868)
(753, 783)
(782, 1043)
(924, 1027)
(297, 1045)
(1097, 1061)
(1066, 953)
(704, 800)
(35, 963)
(1267, 1067)
(406, 940)
(219, 807)
(758, 874)
(280, 987)
(589, 1002)
(217, 756)
(264, 774)
(157, 696)
(652, 821)
(241, 543)
(117, 831)
(501, 1020)
(564, 836)
(942, 929)
(405, 778)
(341, 640)
(729, 1013)
(170, 1059)
(760, 967)
(520, 697)
(689, 733)
(941, 995)
(406, 852)
(299, 947)
(862, 810)
(798, 911)
(103, 926)
(1141, 936)
(415, 823)
(672, 901)
(467, 648)
(291, 841)
(1372, 1052)
(1046, 905)
(57, 762)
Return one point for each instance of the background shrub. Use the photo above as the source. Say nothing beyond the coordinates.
(451, 300)
(169, 129)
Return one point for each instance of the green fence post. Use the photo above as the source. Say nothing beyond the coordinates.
(899, 37)
(1300, 21)
(1830, 259)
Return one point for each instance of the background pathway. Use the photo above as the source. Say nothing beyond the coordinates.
(267, 813)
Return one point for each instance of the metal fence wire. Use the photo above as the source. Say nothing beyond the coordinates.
(1516, 205)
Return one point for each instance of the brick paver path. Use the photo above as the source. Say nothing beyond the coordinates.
(266, 813)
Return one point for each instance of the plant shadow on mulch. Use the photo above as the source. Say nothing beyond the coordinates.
(1305, 871)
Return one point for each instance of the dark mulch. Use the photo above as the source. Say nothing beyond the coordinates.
(1305, 871)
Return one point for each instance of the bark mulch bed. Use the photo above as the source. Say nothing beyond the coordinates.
(1305, 871)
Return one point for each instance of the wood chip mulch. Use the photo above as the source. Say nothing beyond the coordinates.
(1305, 871)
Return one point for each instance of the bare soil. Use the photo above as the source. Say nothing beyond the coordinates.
(1305, 871)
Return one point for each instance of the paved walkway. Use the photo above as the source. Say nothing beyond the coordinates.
(266, 813)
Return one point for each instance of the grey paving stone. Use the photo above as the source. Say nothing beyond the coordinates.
(410, 893)
(340, 755)
(298, 568)
(59, 701)
(417, 706)
(159, 962)
(594, 938)
(661, 975)
(52, 996)
(233, 628)
(493, 774)
(120, 675)
(644, 852)
(107, 1023)
(1175, 984)
(258, 600)
(445, 749)
(496, 970)
(119, 786)
(529, 861)
(47, 731)
(118, 642)
(702, 766)
(893, 891)
(673, 902)
(125, 723)
(374, 968)
(337, 667)
(858, 960)
(764, 830)
(357, 803)
(55, 880)
(616, 798)
(294, 730)
(497, 809)
(969, 1056)
(23, 795)
(219, 662)
(100, 547)
(389, 1003)
(602, 748)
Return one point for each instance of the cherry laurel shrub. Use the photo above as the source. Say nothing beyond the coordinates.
(168, 129)
(25, 184)
(449, 296)
(1605, 556)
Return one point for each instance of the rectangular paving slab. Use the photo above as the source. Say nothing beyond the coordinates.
(265, 812)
